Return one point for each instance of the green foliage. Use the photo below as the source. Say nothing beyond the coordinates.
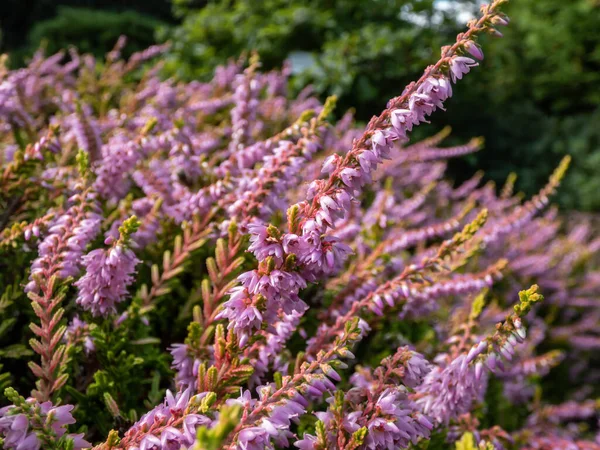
(129, 227)
(128, 357)
(94, 31)
(551, 54)
(579, 136)
(499, 410)
(213, 439)
(12, 352)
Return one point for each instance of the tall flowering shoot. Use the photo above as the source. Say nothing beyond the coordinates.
(221, 265)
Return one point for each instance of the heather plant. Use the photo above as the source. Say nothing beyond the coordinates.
(219, 265)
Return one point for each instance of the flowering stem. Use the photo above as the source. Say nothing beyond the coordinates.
(378, 123)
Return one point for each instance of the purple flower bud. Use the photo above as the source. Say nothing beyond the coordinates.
(474, 50)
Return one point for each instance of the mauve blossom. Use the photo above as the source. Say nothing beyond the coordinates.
(461, 65)
(185, 365)
(109, 272)
(168, 436)
(19, 426)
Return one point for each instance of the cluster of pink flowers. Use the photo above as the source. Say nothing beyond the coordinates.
(311, 285)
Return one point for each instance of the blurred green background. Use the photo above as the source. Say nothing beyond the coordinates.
(536, 98)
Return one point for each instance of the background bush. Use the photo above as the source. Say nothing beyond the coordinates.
(90, 25)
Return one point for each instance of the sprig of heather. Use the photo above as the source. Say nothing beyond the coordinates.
(59, 258)
(69, 234)
(524, 213)
(437, 153)
(468, 187)
(565, 412)
(403, 239)
(431, 141)
(108, 273)
(12, 110)
(418, 100)
(449, 390)
(27, 231)
(269, 418)
(509, 185)
(420, 301)
(86, 133)
(29, 424)
(139, 58)
(243, 113)
(375, 413)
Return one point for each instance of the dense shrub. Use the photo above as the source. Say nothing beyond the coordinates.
(18, 18)
(230, 245)
(94, 31)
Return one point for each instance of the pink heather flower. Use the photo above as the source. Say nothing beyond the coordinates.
(185, 365)
(461, 65)
(119, 157)
(108, 274)
(398, 426)
(19, 426)
(275, 427)
(243, 114)
(87, 134)
(449, 392)
(243, 309)
(415, 369)
(263, 245)
(308, 442)
(254, 438)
